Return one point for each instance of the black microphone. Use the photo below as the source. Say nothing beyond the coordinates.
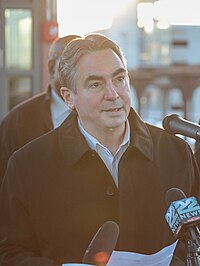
(183, 216)
(102, 245)
(175, 124)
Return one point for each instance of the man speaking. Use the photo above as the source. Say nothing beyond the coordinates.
(104, 163)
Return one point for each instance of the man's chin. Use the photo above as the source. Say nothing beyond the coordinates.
(114, 126)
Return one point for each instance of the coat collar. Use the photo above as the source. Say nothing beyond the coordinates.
(73, 145)
(140, 135)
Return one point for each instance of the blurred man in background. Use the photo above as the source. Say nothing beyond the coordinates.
(37, 115)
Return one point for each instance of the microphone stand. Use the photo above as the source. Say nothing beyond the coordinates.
(193, 247)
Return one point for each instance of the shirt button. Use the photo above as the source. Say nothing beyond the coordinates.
(110, 191)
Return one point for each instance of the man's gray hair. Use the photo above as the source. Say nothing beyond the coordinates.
(79, 47)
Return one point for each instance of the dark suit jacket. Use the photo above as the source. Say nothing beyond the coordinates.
(57, 192)
(22, 124)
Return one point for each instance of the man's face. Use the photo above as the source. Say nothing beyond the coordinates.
(102, 98)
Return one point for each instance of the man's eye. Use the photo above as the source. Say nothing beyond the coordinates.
(95, 85)
(121, 78)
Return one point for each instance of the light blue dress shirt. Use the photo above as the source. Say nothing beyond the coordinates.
(59, 109)
(111, 161)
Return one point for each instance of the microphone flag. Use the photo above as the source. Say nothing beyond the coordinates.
(182, 213)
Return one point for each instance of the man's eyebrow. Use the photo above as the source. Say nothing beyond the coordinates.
(93, 77)
(119, 71)
(97, 77)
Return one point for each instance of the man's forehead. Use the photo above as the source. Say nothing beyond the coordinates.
(99, 60)
(99, 75)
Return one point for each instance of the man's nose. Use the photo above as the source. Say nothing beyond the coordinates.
(111, 92)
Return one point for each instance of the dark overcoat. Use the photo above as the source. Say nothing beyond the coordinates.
(57, 192)
(25, 122)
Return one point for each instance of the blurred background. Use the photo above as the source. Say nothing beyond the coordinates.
(160, 40)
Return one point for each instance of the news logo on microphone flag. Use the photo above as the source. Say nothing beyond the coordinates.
(181, 213)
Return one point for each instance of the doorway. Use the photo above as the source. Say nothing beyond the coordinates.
(19, 52)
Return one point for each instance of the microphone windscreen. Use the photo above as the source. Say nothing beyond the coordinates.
(166, 122)
(102, 244)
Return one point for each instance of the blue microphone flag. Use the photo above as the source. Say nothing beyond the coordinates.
(181, 213)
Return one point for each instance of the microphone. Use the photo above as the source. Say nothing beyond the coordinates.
(183, 213)
(183, 216)
(102, 245)
(175, 124)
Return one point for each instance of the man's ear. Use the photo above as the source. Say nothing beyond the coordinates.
(51, 64)
(67, 95)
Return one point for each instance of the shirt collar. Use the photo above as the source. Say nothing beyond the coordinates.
(93, 142)
(59, 109)
(74, 145)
